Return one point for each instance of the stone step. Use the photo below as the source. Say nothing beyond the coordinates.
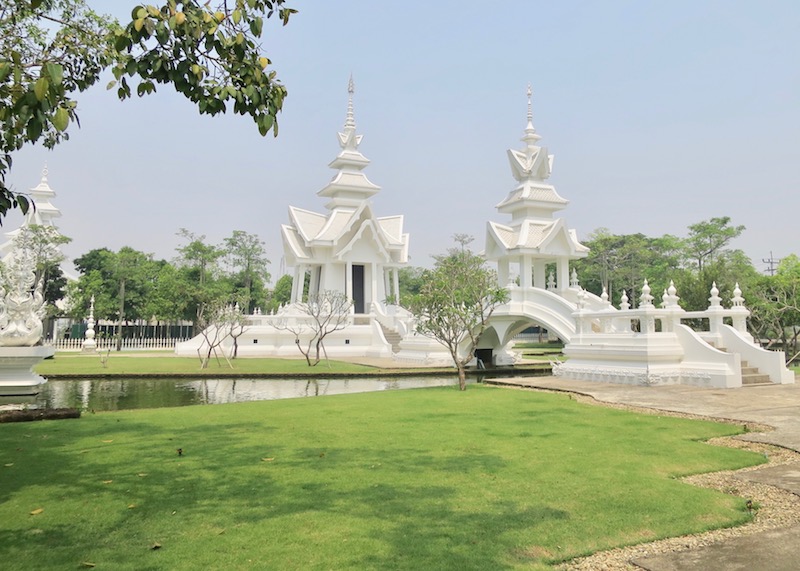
(392, 337)
(749, 370)
(755, 379)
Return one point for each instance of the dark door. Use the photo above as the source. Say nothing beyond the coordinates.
(484, 357)
(358, 289)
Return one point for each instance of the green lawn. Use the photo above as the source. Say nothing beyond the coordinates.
(155, 364)
(490, 478)
(164, 364)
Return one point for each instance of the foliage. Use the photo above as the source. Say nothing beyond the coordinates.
(121, 282)
(199, 263)
(411, 280)
(410, 480)
(707, 240)
(247, 261)
(456, 302)
(776, 306)
(694, 263)
(43, 243)
(281, 294)
(622, 262)
(52, 49)
(324, 313)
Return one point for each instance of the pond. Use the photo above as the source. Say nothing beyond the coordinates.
(132, 393)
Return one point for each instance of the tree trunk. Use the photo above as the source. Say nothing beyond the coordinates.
(121, 314)
(462, 377)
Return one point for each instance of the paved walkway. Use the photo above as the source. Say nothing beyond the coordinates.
(773, 405)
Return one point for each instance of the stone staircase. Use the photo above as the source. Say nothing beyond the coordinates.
(752, 377)
(392, 336)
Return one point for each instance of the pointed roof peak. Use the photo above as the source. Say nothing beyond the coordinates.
(350, 121)
(530, 133)
(44, 173)
(530, 106)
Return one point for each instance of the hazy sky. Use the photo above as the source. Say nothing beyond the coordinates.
(659, 115)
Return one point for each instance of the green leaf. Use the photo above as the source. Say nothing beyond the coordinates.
(40, 88)
(23, 203)
(61, 119)
(56, 72)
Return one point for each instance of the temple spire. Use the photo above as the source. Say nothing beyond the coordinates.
(531, 137)
(348, 140)
(530, 107)
(350, 121)
(349, 187)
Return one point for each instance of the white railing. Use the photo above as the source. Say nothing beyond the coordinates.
(128, 344)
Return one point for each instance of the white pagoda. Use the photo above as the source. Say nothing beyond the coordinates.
(44, 214)
(534, 238)
(347, 249)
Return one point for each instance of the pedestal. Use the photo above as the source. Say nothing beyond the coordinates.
(16, 369)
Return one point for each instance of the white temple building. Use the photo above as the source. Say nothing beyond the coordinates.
(351, 251)
(346, 249)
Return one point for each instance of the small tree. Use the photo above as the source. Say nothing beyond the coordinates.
(455, 304)
(237, 322)
(220, 321)
(325, 313)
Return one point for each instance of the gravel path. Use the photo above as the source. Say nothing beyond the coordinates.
(776, 508)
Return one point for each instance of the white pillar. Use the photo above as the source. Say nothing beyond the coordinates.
(348, 280)
(502, 272)
(396, 285)
(313, 286)
(297, 284)
(562, 274)
(374, 281)
(525, 271)
(539, 277)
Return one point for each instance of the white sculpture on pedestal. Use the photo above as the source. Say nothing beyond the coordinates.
(89, 344)
(21, 312)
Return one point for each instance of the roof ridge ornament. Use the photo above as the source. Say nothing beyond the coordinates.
(530, 106)
(348, 140)
(350, 121)
(531, 137)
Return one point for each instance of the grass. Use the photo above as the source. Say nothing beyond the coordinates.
(76, 364)
(419, 479)
(68, 364)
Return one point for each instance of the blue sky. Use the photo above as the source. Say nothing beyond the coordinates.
(659, 115)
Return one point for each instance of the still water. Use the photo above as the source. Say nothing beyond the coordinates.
(121, 394)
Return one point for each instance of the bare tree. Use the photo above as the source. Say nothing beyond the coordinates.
(238, 325)
(220, 322)
(322, 314)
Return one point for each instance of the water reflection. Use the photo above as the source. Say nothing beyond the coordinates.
(121, 394)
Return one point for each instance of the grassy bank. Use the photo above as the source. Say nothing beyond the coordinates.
(161, 364)
(76, 364)
(419, 479)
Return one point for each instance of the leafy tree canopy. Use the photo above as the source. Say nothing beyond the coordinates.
(50, 50)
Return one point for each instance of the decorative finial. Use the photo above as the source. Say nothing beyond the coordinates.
(44, 173)
(530, 105)
(350, 122)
